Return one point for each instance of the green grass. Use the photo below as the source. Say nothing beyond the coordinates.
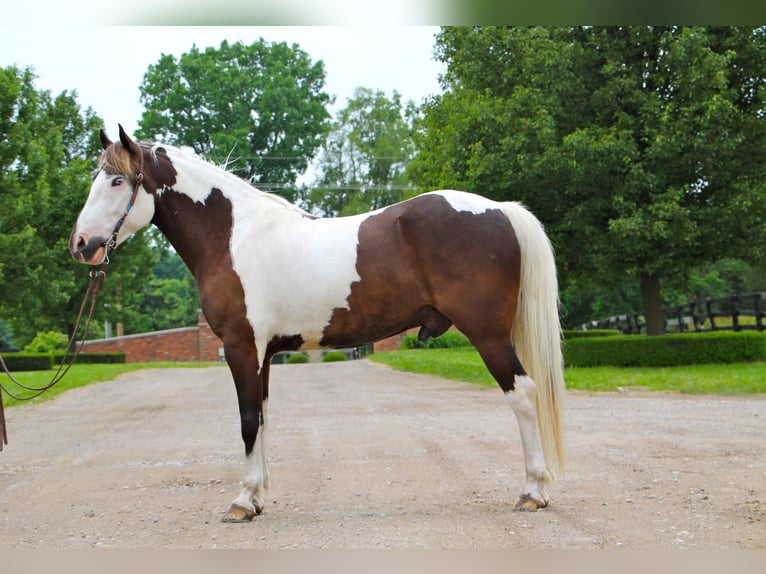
(464, 364)
(78, 376)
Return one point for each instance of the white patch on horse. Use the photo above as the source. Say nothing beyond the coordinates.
(294, 271)
(523, 402)
(466, 202)
(256, 481)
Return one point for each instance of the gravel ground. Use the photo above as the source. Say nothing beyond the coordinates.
(362, 456)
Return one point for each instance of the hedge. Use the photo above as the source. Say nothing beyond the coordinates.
(606, 347)
(452, 339)
(27, 361)
(45, 361)
(667, 350)
(590, 333)
(92, 358)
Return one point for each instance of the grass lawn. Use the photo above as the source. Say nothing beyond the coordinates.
(78, 376)
(464, 364)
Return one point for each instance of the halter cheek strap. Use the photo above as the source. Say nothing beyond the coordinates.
(111, 243)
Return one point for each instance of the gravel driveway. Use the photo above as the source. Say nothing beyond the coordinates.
(362, 456)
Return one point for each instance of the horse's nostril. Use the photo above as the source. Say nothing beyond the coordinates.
(80, 243)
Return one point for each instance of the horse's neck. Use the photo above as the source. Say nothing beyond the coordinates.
(199, 218)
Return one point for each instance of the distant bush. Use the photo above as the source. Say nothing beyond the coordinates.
(666, 350)
(297, 358)
(450, 339)
(48, 342)
(333, 357)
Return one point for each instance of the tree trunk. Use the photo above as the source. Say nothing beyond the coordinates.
(653, 314)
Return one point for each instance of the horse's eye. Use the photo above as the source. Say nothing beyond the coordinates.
(117, 181)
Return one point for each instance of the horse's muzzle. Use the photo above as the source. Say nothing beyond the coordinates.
(89, 250)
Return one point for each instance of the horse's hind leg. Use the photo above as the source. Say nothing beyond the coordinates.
(521, 391)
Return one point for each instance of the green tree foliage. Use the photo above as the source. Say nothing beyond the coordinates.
(643, 149)
(259, 109)
(362, 164)
(6, 337)
(47, 342)
(167, 301)
(48, 151)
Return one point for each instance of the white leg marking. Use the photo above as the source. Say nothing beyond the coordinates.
(264, 428)
(522, 401)
(256, 477)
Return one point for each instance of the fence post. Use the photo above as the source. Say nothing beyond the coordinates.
(735, 313)
(695, 320)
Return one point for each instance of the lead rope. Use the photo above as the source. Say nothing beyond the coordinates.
(96, 280)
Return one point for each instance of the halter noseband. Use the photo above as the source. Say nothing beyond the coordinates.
(111, 243)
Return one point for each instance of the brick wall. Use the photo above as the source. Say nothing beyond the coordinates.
(186, 344)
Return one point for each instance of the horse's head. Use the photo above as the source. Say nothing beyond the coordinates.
(119, 203)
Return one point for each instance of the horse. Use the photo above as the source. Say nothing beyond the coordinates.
(273, 277)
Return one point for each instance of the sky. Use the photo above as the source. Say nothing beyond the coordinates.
(106, 64)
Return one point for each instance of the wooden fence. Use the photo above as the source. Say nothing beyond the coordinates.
(732, 313)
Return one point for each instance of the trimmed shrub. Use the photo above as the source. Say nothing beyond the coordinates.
(27, 361)
(666, 350)
(333, 357)
(93, 358)
(297, 358)
(581, 334)
(450, 339)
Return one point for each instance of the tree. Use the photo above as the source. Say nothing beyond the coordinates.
(168, 300)
(642, 148)
(363, 162)
(48, 150)
(259, 109)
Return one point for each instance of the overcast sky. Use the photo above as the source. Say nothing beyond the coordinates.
(105, 65)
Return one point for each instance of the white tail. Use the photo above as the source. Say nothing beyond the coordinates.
(536, 331)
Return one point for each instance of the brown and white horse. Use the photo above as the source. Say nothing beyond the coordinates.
(272, 278)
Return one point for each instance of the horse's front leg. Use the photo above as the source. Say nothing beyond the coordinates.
(250, 380)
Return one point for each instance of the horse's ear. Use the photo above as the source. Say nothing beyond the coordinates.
(105, 141)
(128, 143)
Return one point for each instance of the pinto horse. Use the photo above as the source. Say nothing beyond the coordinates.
(273, 278)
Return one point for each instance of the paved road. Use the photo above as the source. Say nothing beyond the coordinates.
(365, 457)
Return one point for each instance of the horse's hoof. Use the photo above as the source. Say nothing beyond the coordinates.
(526, 503)
(237, 513)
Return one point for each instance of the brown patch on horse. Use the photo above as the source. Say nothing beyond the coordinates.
(221, 294)
(423, 263)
